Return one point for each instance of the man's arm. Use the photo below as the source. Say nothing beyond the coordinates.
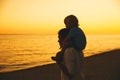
(64, 69)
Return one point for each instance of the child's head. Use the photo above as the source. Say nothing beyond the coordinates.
(62, 34)
(71, 21)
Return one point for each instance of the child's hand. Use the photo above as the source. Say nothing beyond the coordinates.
(53, 58)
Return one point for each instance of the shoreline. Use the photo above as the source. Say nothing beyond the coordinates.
(103, 66)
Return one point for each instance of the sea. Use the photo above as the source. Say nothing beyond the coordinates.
(25, 51)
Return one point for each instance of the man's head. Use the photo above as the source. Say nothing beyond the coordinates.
(62, 34)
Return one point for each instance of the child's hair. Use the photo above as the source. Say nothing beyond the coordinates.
(71, 21)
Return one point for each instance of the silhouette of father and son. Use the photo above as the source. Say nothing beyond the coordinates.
(70, 58)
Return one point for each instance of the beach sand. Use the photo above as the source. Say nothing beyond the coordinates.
(104, 66)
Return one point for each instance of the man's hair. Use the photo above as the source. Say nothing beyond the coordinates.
(62, 34)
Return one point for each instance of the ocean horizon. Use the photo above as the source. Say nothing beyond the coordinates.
(25, 51)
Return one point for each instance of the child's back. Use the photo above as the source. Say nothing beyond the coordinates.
(77, 38)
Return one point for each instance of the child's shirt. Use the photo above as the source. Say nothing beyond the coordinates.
(77, 39)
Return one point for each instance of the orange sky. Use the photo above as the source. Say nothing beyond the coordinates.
(46, 16)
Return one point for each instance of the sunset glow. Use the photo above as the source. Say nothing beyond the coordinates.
(46, 16)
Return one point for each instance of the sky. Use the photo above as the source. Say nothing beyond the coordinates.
(47, 16)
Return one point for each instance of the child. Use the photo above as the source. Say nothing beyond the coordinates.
(76, 36)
